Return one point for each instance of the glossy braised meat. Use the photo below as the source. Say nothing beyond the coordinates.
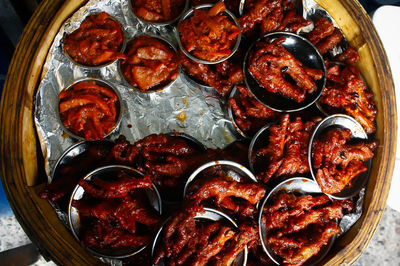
(249, 114)
(209, 35)
(345, 91)
(270, 64)
(256, 12)
(337, 161)
(221, 76)
(325, 37)
(109, 220)
(168, 160)
(286, 152)
(187, 241)
(97, 41)
(118, 188)
(177, 233)
(150, 62)
(89, 110)
(248, 233)
(299, 226)
(220, 188)
(284, 18)
(273, 15)
(157, 10)
(68, 174)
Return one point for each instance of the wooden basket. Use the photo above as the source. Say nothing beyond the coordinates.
(22, 162)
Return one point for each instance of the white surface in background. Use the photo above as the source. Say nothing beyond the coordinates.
(387, 23)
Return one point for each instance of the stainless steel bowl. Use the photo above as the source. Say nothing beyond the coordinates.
(357, 132)
(158, 87)
(102, 65)
(102, 83)
(75, 221)
(305, 52)
(300, 185)
(159, 24)
(233, 170)
(208, 215)
(187, 15)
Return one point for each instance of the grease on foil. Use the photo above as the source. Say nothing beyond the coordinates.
(180, 107)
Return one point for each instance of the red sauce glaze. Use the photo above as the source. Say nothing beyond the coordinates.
(97, 41)
(89, 110)
(151, 63)
(157, 10)
(209, 35)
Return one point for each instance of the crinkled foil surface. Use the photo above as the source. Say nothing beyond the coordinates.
(179, 107)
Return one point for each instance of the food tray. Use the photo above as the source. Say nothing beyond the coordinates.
(22, 162)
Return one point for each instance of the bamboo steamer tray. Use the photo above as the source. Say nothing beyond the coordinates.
(22, 166)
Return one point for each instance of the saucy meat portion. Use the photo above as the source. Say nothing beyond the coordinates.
(97, 41)
(214, 187)
(209, 35)
(249, 114)
(157, 10)
(271, 15)
(338, 161)
(298, 226)
(89, 109)
(222, 76)
(278, 71)
(150, 63)
(286, 153)
(190, 241)
(346, 92)
(113, 208)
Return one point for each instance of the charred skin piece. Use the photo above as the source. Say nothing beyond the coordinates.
(337, 162)
(89, 110)
(119, 188)
(150, 62)
(157, 10)
(209, 35)
(266, 64)
(286, 152)
(299, 226)
(97, 41)
(250, 114)
(346, 91)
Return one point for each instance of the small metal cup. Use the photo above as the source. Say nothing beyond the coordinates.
(103, 84)
(75, 221)
(303, 186)
(159, 87)
(208, 215)
(102, 65)
(357, 132)
(187, 15)
(306, 53)
(159, 24)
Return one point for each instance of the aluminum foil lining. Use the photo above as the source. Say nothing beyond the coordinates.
(180, 107)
